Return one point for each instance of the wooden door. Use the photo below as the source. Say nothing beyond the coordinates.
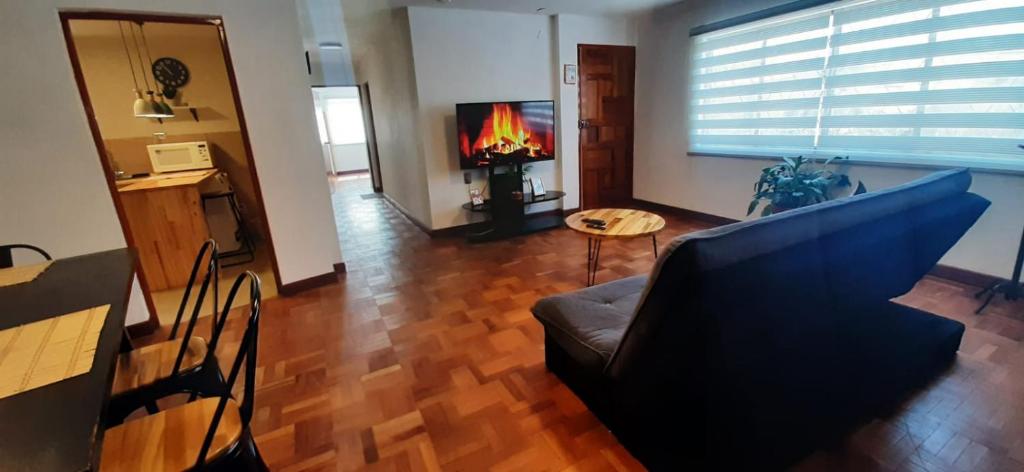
(606, 77)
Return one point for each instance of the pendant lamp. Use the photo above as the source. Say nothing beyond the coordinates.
(161, 109)
(140, 108)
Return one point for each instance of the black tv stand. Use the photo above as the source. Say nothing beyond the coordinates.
(507, 207)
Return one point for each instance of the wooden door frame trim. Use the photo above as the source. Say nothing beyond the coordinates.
(66, 15)
(370, 129)
(579, 115)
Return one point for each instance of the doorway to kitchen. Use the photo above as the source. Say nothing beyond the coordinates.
(163, 106)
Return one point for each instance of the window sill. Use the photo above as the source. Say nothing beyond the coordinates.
(935, 164)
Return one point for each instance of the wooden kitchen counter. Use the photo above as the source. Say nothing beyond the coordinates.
(167, 223)
(160, 181)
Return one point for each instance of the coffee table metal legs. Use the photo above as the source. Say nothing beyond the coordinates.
(594, 253)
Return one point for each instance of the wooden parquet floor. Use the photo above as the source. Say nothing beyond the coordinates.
(425, 357)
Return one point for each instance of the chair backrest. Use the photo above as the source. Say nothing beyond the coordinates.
(7, 256)
(722, 294)
(208, 257)
(246, 354)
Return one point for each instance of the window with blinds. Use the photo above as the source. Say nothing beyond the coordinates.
(908, 81)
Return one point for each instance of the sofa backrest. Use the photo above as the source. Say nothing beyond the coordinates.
(764, 283)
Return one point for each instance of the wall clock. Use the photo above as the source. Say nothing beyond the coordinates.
(171, 73)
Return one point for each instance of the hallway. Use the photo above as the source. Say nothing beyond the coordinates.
(425, 356)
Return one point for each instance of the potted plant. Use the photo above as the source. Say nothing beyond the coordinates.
(798, 182)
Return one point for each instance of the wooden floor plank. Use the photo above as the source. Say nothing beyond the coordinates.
(425, 357)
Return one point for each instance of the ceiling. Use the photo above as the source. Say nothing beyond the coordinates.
(552, 7)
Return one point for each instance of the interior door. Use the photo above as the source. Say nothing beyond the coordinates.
(606, 78)
(371, 137)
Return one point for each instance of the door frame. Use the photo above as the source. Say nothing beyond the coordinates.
(376, 180)
(365, 109)
(66, 16)
(579, 115)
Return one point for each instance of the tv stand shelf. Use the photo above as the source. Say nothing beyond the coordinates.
(528, 199)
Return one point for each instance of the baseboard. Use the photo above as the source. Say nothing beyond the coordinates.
(569, 211)
(351, 172)
(316, 281)
(684, 213)
(458, 230)
(419, 224)
(964, 276)
(145, 328)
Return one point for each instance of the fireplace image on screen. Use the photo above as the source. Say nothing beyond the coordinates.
(503, 133)
(503, 137)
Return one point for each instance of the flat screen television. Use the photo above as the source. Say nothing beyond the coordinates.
(502, 133)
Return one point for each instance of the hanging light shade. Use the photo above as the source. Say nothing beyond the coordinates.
(160, 108)
(154, 109)
(140, 107)
(164, 107)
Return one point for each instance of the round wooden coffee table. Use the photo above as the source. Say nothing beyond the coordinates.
(620, 223)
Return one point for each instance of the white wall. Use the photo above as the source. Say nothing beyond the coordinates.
(382, 57)
(461, 56)
(573, 30)
(474, 56)
(350, 157)
(52, 191)
(663, 173)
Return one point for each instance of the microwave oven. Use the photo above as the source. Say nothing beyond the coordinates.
(175, 157)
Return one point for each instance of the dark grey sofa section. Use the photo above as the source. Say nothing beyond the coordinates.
(751, 344)
(590, 323)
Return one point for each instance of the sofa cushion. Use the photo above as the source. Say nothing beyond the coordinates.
(589, 323)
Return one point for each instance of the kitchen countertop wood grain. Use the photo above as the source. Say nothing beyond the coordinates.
(163, 181)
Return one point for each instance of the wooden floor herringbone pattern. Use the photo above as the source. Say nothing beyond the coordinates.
(425, 357)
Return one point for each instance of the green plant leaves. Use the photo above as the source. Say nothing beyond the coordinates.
(753, 206)
(796, 182)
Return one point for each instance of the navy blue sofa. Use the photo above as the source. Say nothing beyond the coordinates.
(752, 344)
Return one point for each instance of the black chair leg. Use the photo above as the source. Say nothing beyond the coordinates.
(244, 457)
(247, 252)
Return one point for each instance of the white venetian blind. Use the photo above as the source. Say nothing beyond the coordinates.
(913, 81)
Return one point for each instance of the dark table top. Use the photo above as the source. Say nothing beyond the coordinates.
(57, 426)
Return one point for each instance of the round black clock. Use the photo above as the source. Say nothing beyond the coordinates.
(171, 73)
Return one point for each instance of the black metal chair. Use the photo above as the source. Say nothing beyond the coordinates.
(176, 435)
(246, 252)
(7, 256)
(190, 365)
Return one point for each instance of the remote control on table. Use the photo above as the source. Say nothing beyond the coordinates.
(593, 221)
